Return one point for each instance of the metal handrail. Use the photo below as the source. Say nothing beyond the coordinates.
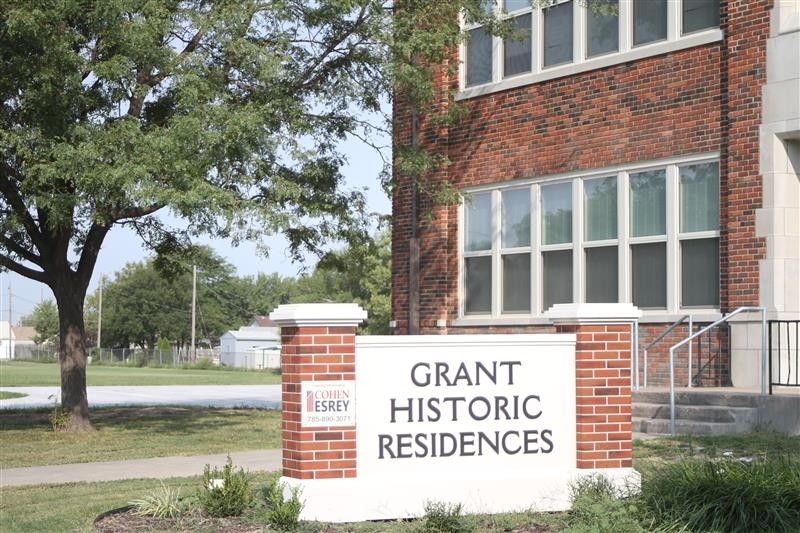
(664, 334)
(690, 338)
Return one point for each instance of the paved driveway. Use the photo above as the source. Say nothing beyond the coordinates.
(263, 396)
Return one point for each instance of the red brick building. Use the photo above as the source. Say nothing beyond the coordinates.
(646, 155)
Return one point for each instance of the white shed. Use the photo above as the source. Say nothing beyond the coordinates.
(251, 347)
(7, 341)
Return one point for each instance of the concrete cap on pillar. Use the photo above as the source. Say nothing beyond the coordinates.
(592, 313)
(296, 315)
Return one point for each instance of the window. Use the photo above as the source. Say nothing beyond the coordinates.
(563, 37)
(699, 226)
(600, 240)
(699, 15)
(649, 21)
(602, 30)
(558, 34)
(556, 223)
(600, 237)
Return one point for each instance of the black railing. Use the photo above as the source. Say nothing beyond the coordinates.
(784, 353)
(711, 358)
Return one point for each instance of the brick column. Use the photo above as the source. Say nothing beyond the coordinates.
(602, 380)
(317, 344)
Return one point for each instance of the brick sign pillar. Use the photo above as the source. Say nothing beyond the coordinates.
(317, 345)
(602, 380)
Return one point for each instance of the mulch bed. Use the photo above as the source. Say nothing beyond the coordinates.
(127, 521)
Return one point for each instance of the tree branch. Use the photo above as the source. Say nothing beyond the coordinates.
(135, 212)
(21, 251)
(91, 249)
(11, 194)
(13, 266)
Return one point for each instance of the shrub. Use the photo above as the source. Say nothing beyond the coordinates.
(282, 514)
(445, 518)
(598, 507)
(201, 364)
(162, 503)
(729, 495)
(225, 492)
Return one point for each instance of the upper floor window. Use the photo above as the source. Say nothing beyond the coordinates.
(647, 235)
(564, 34)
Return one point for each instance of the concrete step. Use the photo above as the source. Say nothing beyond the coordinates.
(697, 413)
(686, 427)
(697, 397)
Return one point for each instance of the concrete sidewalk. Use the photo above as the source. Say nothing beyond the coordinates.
(223, 396)
(158, 468)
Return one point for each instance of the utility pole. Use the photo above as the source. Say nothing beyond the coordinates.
(10, 351)
(100, 319)
(194, 305)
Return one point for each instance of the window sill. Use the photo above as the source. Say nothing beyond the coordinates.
(648, 317)
(640, 52)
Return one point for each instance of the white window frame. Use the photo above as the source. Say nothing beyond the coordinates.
(581, 63)
(673, 238)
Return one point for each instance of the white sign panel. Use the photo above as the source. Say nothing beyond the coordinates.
(465, 406)
(328, 403)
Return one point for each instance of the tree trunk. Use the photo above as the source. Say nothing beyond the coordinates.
(72, 357)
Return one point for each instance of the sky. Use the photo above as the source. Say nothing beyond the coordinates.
(123, 246)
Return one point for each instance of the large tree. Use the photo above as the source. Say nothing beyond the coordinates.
(226, 114)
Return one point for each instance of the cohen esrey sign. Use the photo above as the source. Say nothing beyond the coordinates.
(478, 405)
(328, 403)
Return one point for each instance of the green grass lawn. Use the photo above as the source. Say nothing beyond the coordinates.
(27, 438)
(73, 507)
(5, 395)
(26, 374)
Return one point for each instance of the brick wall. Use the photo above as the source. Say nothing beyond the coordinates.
(603, 395)
(316, 353)
(697, 100)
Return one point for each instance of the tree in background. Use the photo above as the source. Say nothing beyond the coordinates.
(43, 318)
(142, 306)
(361, 273)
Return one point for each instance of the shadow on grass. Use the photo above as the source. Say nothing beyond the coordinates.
(184, 420)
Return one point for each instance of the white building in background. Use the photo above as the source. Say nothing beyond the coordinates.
(251, 347)
(7, 341)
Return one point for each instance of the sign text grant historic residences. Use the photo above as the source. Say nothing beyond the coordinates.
(438, 406)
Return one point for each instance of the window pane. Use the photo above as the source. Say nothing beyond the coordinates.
(700, 197)
(479, 57)
(648, 203)
(517, 49)
(557, 213)
(700, 273)
(602, 30)
(558, 34)
(516, 283)
(556, 278)
(700, 14)
(649, 21)
(479, 222)
(649, 272)
(601, 275)
(516, 217)
(513, 5)
(479, 285)
(600, 197)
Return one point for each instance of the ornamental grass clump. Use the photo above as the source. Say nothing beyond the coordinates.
(225, 492)
(730, 495)
(161, 503)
